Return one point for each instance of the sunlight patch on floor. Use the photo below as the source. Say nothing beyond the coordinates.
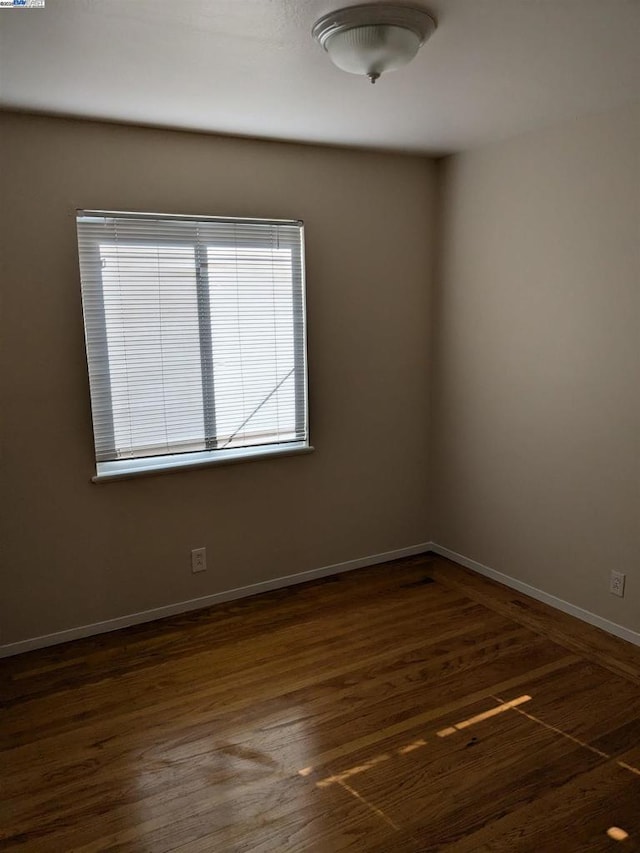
(617, 834)
(486, 715)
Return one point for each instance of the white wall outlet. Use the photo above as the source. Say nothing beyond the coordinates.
(199, 560)
(616, 584)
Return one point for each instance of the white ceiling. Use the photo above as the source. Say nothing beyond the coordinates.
(493, 68)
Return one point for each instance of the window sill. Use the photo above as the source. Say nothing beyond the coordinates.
(153, 465)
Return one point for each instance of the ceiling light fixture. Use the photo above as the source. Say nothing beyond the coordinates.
(373, 38)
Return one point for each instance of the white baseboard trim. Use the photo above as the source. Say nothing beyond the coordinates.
(66, 636)
(559, 603)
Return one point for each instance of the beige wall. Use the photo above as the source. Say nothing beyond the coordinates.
(75, 552)
(532, 348)
(536, 430)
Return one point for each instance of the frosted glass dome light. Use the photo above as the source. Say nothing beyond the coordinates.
(373, 39)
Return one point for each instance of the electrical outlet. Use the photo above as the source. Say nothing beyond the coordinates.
(199, 560)
(616, 584)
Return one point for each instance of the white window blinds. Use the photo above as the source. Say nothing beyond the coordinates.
(195, 333)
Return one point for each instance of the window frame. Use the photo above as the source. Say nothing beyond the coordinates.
(135, 466)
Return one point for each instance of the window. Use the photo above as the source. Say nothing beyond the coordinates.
(195, 334)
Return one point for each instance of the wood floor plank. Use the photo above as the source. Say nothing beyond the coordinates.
(95, 658)
(586, 702)
(257, 692)
(404, 707)
(325, 715)
(453, 786)
(312, 638)
(574, 817)
(611, 652)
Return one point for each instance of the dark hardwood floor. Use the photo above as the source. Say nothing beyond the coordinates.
(411, 706)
